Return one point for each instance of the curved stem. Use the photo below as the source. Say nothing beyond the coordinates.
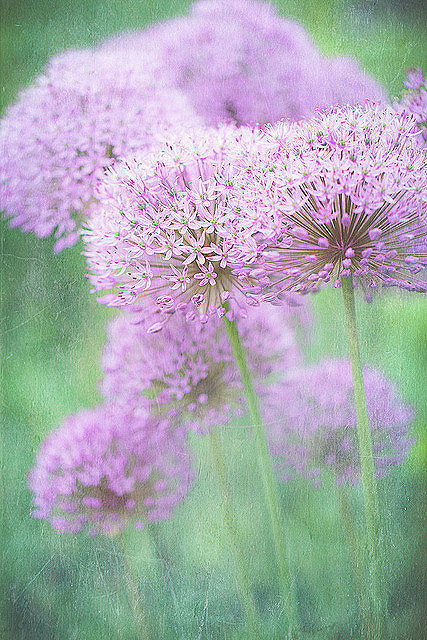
(233, 533)
(267, 474)
(369, 484)
(141, 628)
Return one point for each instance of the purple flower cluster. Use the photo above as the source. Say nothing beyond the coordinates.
(185, 227)
(104, 468)
(92, 106)
(88, 108)
(170, 232)
(341, 195)
(187, 371)
(414, 102)
(243, 216)
(311, 421)
(240, 60)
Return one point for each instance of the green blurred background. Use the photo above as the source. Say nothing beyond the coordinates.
(64, 587)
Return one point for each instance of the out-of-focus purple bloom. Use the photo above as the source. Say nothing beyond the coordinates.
(187, 371)
(105, 467)
(169, 230)
(88, 108)
(240, 60)
(311, 421)
(343, 194)
(414, 102)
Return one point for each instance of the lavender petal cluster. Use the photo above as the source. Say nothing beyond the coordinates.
(311, 422)
(88, 108)
(414, 102)
(105, 468)
(242, 61)
(187, 372)
(343, 194)
(169, 231)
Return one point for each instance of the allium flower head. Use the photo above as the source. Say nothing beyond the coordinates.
(187, 371)
(169, 234)
(414, 102)
(88, 108)
(240, 60)
(104, 468)
(312, 422)
(343, 194)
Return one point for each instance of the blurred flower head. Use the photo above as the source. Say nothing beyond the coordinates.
(311, 421)
(187, 371)
(242, 61)
(88, 108)
(104, 468)
(414, 102)
(343, 194)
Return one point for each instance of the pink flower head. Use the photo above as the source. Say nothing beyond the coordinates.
(312, 422)
(88, 108)
(105, 467)
(242, 61)
(168, 232)
(187, 371)
(414, 102)
(346, 193)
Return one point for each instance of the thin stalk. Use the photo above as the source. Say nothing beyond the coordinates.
(356, 556)
(163, 563)
(141, 628)
(369, 484)
(234, 537)
(267, 474)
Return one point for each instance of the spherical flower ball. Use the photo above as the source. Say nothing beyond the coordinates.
(311, 423)
(187, 372)
(346, 194)
(414, 102)
(87, 109)
(105, 468)
(169, 233)
(240, 60)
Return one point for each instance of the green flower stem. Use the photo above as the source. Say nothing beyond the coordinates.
(243, 582)
(356, 556)
(141, 628)
(369, 484)
(268, 479)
